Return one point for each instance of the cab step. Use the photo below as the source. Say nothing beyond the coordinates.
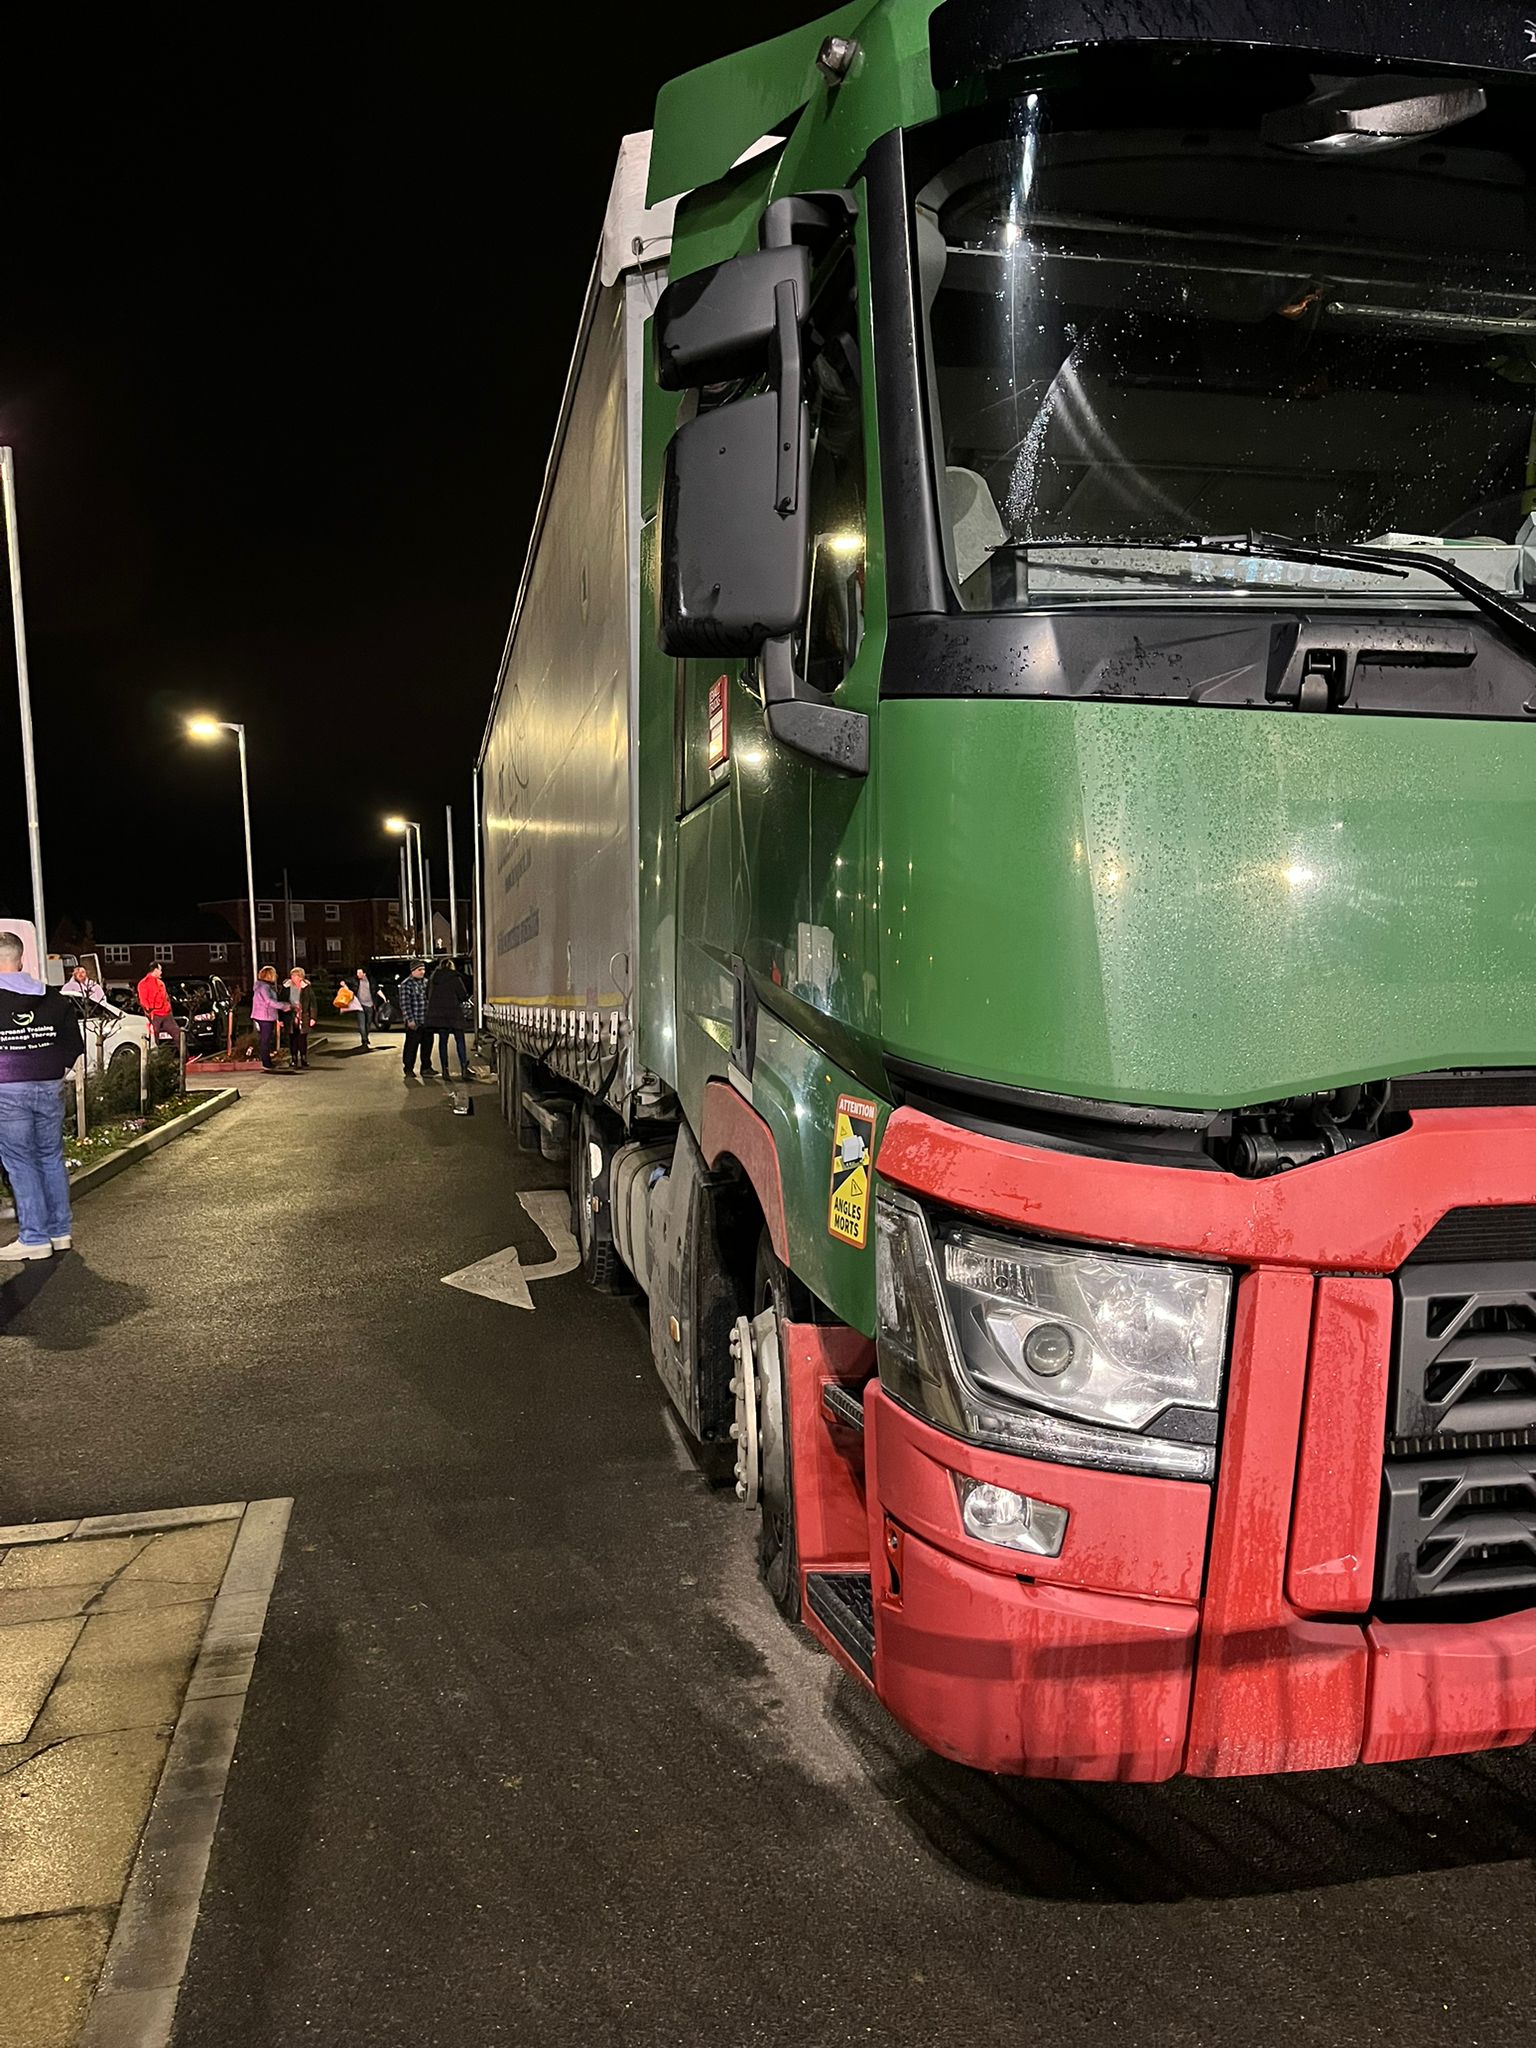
(842, 1404)
(844, 1604)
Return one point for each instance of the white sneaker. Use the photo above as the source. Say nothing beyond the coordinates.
(18, 1250)
(61, 1244)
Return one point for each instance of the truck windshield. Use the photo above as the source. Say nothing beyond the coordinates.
(1146, 334)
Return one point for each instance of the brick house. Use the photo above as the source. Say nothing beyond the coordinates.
(193, 943)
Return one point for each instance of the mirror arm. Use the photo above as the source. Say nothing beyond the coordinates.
(809, 217)
(802, 718)
(789, 376)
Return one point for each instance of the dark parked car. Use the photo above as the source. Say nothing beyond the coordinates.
(202, 1003)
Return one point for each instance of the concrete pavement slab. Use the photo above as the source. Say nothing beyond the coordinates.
(43, 1603)
(141, 1978)
(126, 1671)
(70, 1818)
(170, 1566)
(32, 1655)
(48, 1968)
(69, 1564)
(123, 1725)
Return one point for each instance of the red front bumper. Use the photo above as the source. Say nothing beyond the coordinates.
(1215, 1631)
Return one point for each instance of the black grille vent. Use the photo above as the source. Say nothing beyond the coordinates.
(1481, 1237)
(1458, 1526)
(1509, 1088)
(1459, 1515)
(1466, 1351)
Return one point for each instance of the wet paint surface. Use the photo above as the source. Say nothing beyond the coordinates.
(1203, 908)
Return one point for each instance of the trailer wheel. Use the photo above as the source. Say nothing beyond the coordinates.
(778, 1552)
(592, 1150)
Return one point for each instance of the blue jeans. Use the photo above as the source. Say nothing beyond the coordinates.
(442, 1051)
(32, 1152)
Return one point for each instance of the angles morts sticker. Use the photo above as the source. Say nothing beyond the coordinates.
(853, 1150)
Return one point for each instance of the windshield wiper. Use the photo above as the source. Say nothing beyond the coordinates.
(1278, 547)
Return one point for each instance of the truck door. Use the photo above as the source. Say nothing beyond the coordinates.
(810, 901)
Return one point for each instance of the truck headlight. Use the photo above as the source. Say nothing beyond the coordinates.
(1084, 1357)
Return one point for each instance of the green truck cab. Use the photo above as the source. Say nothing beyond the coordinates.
(1061, 1053)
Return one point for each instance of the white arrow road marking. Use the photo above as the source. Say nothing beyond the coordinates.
(503, 1276)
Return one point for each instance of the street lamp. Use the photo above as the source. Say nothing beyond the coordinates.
(410, 826)
(204, 728)
(24, 695)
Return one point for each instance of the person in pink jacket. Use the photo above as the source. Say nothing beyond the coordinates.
(266, 1007)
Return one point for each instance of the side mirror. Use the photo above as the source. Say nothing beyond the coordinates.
(735, 569)
(735, 525)
(721, 323)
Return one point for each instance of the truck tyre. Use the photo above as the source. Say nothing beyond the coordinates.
(593, 1144)
(778, 1552)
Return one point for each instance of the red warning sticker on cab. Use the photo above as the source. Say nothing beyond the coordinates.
(853, 1151)
(719, 721)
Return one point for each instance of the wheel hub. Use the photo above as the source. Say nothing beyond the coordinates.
(757, 1430)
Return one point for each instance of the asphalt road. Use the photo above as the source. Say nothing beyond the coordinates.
(529, 1757)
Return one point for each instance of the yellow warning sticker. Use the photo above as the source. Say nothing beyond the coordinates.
(853, 1150)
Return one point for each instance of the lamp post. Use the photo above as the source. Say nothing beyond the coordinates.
(407, 878)
(411, 827)
(24, 693)
(210, 729)
(479, 939)
(453, 888)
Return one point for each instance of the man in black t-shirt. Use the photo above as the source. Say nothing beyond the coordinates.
(39, 1043)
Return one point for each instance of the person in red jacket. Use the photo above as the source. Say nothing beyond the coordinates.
(155, 1002)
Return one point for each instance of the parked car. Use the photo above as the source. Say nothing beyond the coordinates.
(202, 1003)
(105, 1035)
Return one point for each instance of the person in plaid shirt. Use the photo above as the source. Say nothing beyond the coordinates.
(411, 997)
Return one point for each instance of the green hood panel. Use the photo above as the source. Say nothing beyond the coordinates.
(1201, 909)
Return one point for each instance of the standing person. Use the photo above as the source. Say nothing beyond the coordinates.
(267, 1006)
(89, 994)
(445, 1014)
(364, 1007)
(39, 1042)
(411, 996)
(446, 997)
(155, 1002)
(301, 1001)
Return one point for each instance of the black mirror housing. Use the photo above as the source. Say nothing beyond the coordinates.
(720, 323)
(734, 570)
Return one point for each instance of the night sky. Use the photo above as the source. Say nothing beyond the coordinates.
(288, 298)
